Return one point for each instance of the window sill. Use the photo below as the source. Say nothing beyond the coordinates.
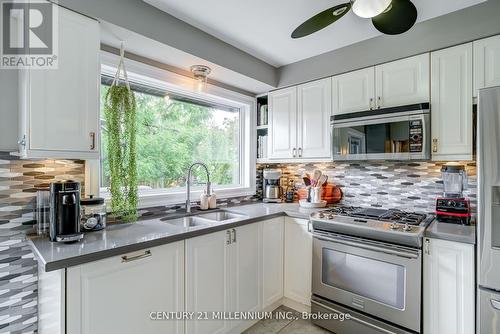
(179, 197)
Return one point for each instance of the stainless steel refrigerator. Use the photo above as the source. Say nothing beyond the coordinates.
(488, 223)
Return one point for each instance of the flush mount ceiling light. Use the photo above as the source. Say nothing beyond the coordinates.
(369, 8)
(200, 73)
(389, 17)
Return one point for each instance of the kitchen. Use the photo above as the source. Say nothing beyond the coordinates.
(167, 169)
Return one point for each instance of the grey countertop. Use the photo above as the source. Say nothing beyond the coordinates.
(452, 232)
(119, 239)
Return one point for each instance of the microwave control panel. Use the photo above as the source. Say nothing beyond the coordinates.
(416, 136)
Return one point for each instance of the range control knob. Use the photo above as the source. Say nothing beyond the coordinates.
(394, 226)
(321, 215)
(407, 228)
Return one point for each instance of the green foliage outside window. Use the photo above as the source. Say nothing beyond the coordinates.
(173, 134)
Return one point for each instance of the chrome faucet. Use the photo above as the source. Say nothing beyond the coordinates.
(188, 184)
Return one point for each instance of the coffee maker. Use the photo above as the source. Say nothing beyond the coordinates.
(65, 211)
(271, 187)
(453, 207)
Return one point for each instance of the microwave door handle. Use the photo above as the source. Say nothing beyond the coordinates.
(409, 255)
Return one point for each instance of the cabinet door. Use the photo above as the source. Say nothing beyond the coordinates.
(353, 91)
(451, 103)
(313, 123)
(207, 281)
(283, 123)
(246, 272)
(272, 261)
(298, 260)
(117, 295)
(449, 290)
(486, 63)
(63, 104)
(403, 82)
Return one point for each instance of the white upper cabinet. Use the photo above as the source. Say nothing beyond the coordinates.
(451, 103)
(117, 295)
(449, 289)
(486, 63)
(402, 82)
(353, 91)
(59, 116)
(283, 123)
(313, 122)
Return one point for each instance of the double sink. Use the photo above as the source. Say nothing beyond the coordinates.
(205, 219)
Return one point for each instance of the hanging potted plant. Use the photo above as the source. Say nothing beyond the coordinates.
(121, 121)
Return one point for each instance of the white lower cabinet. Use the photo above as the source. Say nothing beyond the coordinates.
(298, 261)
(449, 289)
(118, 294)
(272, 261)
(207, 281)
(222, 275)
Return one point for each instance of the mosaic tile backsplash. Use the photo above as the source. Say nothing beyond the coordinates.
(411, 186)
(19, 180)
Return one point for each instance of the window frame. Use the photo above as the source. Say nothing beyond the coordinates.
(183, 85)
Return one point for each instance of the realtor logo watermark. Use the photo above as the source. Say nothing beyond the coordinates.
(28, 34)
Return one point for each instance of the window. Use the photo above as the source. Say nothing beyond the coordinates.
(173, 131)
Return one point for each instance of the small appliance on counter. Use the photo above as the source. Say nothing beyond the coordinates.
(453, 207)
(271, 186)
(93, 214)
(65, 211)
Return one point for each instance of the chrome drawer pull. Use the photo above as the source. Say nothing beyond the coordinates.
(126, 258)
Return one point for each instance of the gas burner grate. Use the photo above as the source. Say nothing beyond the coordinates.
(399, 216)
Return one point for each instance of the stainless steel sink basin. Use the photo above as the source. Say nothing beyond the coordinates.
(187, 222)
(220, 216)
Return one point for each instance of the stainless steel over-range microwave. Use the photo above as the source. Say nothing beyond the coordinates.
(398, 133)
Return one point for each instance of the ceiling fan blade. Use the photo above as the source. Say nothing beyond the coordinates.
(397, 19)
(321, 20)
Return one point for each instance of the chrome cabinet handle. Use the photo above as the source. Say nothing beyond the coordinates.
(427, 247)
(294, 152)
(379, 102)
(92, 140)
(495, 304)
(126, 258)
(300, 152)
(234, 235)
(228, 237)
(371, 103)
(22, 141)
(434, 145)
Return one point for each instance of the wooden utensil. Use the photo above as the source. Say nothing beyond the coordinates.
(322, 180)
(317, 174)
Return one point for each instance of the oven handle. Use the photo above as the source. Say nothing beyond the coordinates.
(408, 254)
(353, 318)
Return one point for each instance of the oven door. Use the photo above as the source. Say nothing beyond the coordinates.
(379, 279)
(401, 136)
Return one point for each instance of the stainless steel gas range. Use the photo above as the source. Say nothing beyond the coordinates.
(368, 262)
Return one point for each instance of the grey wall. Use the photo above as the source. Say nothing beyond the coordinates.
(8, 110)
(459, 27)
(149, 21)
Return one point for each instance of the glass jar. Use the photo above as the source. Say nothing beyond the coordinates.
(93, 214)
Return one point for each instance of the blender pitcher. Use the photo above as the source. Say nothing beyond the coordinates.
(454, 180)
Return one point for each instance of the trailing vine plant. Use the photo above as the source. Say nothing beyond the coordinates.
(121, 120)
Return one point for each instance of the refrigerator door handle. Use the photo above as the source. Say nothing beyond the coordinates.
(495, 304)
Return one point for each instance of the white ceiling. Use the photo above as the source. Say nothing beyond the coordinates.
(262, 28)
(181, 61)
